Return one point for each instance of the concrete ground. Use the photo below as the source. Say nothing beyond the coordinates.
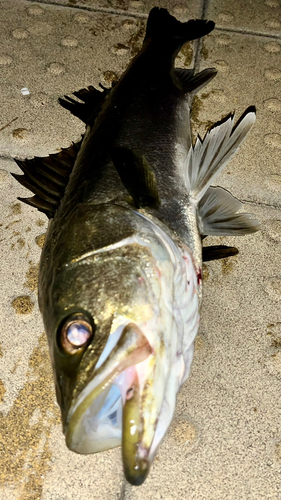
(225, 440)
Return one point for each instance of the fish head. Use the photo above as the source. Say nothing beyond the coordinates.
(106, 298)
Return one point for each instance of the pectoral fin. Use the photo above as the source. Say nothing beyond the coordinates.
(137, 176)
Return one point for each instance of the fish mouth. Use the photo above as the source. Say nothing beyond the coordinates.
(108, 411)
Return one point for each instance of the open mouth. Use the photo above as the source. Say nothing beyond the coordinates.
(108, 411)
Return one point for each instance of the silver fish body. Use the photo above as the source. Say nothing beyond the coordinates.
(120, 274)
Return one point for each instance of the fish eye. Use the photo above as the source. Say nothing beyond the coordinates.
(75, 333)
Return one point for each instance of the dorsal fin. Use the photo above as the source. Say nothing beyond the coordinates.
(137, 176)
(87, 110)
(47, 178)
(190, 82)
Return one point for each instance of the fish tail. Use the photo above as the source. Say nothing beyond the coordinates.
(217, 208)
(161, 26)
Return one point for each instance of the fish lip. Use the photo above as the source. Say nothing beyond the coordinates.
(132, 348)
(134, 456)
(139, 475)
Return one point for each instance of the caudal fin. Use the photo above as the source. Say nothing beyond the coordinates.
(162, 26)
(217, 208)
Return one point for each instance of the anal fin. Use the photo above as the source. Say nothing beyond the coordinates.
(190, 82)
(215, 252)
(137, 176)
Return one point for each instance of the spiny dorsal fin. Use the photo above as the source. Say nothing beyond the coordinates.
(47, 178)
(193, 83)
(217, 208)
(87, 110)
(137, 176)
(41, 205)
(216, 252)
(208, 157)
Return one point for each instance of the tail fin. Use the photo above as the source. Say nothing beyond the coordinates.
(217, 209)
(162, 26)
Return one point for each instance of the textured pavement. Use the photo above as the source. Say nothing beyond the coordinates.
(225, 440)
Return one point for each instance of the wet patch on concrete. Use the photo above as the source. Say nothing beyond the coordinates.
(32, 277)
(23, 305)
(39, 240)
(199, 343)
(197, 105)
(12, 223)
(16, 208)
(2, 391)
(25, 451)
(274, 332)
(136, 40)
(187, 53)
(40, 222)
(206, 272)
(228, 265)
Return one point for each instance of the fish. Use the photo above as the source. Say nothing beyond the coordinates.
(120, 275)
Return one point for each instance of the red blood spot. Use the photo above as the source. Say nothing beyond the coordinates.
(158, 273)
(199, 277)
